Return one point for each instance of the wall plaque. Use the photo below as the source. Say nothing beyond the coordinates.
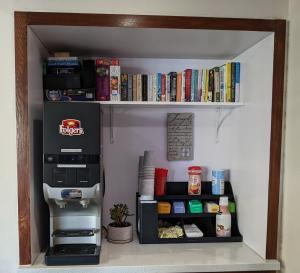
(180, 140)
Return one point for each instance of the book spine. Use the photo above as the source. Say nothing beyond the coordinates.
(63, 61)
(144, 87)
(158, 82)
(173, 85)
(154, 87)
(188, 79)
(102, 83)
(163, 87)
(232, 82)
(217, 84)
(228, 83)
(237, 81)
(124, 87)
(168, 86)
(115, 82)
(62, 58)
(222, 83)
(199, 92)
(139, 87)
(211, 85)
(129, 87)
(206, 84)
(149, 78)
(183, 87)
(203, 83)
(178, 87)
(192, 86)
(195, 90)
(134, 90)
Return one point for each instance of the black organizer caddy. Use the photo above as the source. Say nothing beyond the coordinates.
(147, 217)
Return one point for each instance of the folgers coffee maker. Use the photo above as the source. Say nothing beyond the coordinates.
(72, 182)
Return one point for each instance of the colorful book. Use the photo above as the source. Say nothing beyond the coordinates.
(124, 87)
(203, 83)
(211, 85)
(195, 85)
(178, 87)
(102, 80)
(144, 87)
(134, 87)
(154, 87)
(232, 82)
(149, 89)
(63, 62)
(222, 76)
(173, 86)
(168, 86)
(217, 84)
(139, 96)
(158, 83)
(199, 91)
(129, 87)
(228, 82)
(192, 86)
(206, 85)
(183, 87)
(188, 84)
(237, 81)
(115, 82)
(163, 87)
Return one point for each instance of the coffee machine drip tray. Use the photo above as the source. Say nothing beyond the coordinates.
(74, 233)
(73, 254)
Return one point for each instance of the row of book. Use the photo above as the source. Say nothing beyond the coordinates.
(101, 79)
(219, 84)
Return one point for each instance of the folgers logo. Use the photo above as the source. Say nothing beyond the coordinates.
(71, 127)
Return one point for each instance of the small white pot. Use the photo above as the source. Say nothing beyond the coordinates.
(119, 235)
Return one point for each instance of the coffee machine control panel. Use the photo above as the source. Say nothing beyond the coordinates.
(71, 159)
(71, 170)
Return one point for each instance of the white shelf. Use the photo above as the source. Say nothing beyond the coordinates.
(164, 258)
(173, 104)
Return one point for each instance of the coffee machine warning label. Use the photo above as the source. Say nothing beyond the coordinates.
(71, 127)
(71, 194)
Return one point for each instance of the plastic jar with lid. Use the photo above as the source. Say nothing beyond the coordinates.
(194, 185)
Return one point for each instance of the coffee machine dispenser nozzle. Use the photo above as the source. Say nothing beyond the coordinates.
(84, 203)
(60, 203)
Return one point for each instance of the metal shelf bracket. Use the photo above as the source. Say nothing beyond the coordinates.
(111, 124)
(221, 116)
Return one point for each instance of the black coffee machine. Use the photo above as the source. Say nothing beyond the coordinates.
(72, 182)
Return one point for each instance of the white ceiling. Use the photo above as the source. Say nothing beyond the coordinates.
(147, 43)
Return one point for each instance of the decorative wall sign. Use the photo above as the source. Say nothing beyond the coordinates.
(180, 139)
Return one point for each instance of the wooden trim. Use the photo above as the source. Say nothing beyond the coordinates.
(150, 21)
(22, 137)
(24, 19)
(276, 139)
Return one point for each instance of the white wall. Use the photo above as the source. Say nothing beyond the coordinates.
(251, 143)
(291, 189)
(8, 178)
(36, 55)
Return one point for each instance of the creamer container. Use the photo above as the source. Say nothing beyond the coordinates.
(194, 186)
(223, 204)
(218, 183)
(223, 225)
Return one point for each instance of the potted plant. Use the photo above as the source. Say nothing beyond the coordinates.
(119, 231)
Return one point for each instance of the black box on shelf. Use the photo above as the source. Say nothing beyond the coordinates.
(148, 218)
(62, 81)
(81, 94)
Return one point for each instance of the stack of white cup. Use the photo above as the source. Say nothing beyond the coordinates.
(140, 174)
(147, 182)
